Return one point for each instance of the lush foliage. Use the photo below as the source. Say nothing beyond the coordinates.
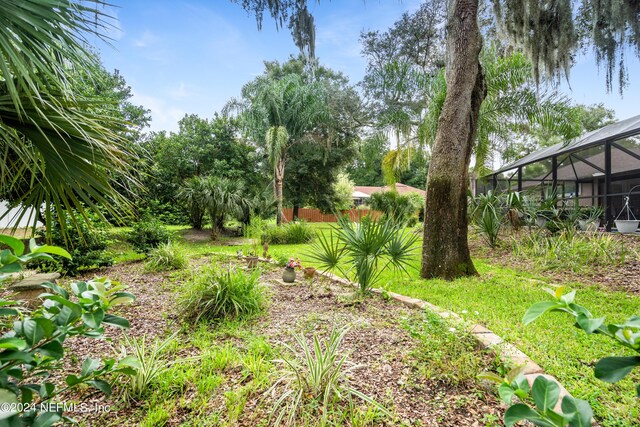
(32, 345)
(223, 197)
(178, 163)
(148, 234)
(87, 241)
(62, 149)
(544, 394)
(312, 385)
(290, 233)
(167, 256)
(363, 251)
(627, 334)
(214, 294)
(192, 194)
(401, 209)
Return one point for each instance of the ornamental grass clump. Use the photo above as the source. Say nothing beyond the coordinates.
(363, 251)
(218, 294)
(312, 385)
(167, 256)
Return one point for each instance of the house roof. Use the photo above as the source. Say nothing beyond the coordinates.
(360, 195)
(400, 188)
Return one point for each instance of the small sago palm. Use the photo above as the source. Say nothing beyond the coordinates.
(363, 251)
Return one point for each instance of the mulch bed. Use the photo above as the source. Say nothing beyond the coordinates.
(376, 341)
(624, 278)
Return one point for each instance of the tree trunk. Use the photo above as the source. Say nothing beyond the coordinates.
(445, 250)
(296, 209)
(279, 176)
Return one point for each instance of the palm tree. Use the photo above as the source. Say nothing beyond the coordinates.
(280, 113)
(193, 194)
(223, 196)
(58, 153)
(511, 104)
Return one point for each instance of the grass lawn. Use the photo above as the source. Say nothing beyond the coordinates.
(498, 299)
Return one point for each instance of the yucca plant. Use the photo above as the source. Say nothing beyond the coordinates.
(363, 251)
(167, 256)
(215, 294)
(315, 381)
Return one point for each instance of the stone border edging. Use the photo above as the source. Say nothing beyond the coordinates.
(506, 352)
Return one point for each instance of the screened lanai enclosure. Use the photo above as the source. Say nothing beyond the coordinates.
(598, 168)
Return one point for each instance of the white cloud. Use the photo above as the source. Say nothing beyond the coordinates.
(180, 92)
(147, 39)
(163, 115)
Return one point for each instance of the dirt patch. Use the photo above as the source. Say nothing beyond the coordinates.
(196, 236)
(377, 342)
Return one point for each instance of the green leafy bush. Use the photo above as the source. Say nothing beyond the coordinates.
(627, 335)
(167, 256)
(537, 403)
(398, 208)
(214, 294)
(288, 234)
(32, 346)
(85, 238)
(148, 234)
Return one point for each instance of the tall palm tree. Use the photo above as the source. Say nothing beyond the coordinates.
(280, 113)
(57, 152)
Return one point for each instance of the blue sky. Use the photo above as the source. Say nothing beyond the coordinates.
(184, 57)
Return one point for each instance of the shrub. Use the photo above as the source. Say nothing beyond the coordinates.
(167, 256)
(291, 233)
(214, 294)
(33, 345)
(316, 382)
(399, 208)
(85, 238)
(148, 234)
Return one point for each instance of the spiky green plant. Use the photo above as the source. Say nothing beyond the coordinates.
(167, 256)
(363, 251)
(316, 381)
(214, 294)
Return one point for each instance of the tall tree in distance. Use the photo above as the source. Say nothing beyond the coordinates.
(279, 113)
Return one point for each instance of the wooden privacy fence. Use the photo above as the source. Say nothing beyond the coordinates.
(314, 215)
